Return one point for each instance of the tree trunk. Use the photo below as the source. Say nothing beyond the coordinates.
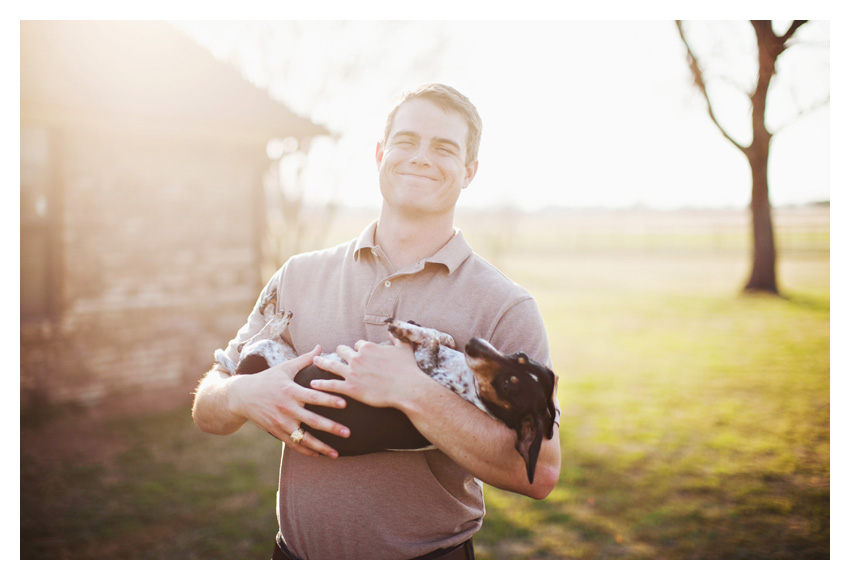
(763, 275)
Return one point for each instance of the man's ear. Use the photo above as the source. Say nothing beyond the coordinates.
(471, 170)
(379, 154)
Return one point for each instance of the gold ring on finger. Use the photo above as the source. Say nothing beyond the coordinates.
(297, 436)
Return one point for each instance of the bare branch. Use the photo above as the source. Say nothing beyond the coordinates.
(721, 79)
(791, 30)
(800, 114)
(696, 71)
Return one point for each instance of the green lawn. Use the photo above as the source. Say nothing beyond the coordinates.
(695, 425)
(695, 420)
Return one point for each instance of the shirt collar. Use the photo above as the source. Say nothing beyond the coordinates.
(451, 255)
(366, 241)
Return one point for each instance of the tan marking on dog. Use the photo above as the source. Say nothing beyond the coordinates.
(485, 371)
(488, 393)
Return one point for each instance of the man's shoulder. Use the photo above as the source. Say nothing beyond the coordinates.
(331, 255)
(479, 270)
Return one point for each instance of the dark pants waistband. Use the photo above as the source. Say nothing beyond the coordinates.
(464, 551)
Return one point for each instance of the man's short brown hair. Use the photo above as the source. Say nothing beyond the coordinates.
(448, 99)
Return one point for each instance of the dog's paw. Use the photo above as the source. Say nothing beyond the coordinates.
(405, 331)
(268, 306)
(416, 334)
(225, 363)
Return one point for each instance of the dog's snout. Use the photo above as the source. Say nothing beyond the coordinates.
(480, 348)
(473, 347)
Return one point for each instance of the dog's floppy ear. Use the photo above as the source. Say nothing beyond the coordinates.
(550, 403)
(529, 439)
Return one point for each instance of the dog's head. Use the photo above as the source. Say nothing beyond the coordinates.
(518, 391)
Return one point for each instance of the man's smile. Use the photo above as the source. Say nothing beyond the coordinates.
(416, 175)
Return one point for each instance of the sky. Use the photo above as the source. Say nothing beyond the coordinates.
(576, 113)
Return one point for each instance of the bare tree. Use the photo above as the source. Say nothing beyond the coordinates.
(770, 46)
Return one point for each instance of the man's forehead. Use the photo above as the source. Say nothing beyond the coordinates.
(420, 115)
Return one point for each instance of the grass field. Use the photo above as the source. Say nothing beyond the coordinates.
(696, 421)
(696, 425)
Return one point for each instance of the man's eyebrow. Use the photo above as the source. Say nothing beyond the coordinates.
(445, 141)
(442, 140)
(405, 134)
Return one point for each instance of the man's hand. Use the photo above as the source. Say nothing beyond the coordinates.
(388, 376)
(379, 375)
(272, 401)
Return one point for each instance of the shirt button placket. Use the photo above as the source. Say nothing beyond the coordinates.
(382, 301)
(379, 308)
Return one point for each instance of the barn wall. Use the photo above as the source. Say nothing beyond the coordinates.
(159, 263)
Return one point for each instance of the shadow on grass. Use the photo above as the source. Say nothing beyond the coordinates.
(810, 302)
(602, 511)
(154, 487)
(159, 489)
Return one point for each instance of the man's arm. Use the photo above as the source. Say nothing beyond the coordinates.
(387, 376)
(481, 444)
(269, 399)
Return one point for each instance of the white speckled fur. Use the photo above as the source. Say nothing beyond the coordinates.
(268, 343)
(433, 350)
(450, 368)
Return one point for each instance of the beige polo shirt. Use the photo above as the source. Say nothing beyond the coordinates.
(392, 504)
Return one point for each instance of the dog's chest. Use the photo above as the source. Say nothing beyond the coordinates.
(452, 372)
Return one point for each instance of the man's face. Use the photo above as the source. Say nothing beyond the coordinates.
(422, 166)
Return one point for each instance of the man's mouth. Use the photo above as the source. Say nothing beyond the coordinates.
(418, 176)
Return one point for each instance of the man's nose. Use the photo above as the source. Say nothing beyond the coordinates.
(421, 156)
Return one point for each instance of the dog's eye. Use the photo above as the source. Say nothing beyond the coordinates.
(514, 380)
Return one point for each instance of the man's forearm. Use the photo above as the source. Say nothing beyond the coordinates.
(388, 376)
(479, 443)
(211, 410)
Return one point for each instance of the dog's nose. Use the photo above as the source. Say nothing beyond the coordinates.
(478, 347)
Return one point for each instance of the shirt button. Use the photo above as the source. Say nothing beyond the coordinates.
(388, 283)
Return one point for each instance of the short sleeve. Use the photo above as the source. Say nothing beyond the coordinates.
(226, 359)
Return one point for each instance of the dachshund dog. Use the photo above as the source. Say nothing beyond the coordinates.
(511, 388)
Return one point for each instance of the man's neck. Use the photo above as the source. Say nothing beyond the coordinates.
(408, 240)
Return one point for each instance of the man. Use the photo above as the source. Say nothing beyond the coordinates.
(412, 265)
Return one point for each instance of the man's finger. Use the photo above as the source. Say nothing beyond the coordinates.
(331, 365)
(311, 442)
(331, 385)
(305, 360)
(309, 445)
(313, 422)
(398, 342)
(318, 398)
(345, 352)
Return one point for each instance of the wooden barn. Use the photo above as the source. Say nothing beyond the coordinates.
(142, 206)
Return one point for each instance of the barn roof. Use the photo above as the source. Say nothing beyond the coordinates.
(143, 74)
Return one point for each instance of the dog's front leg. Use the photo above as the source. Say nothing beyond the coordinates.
(273, 330)
(426, 342)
